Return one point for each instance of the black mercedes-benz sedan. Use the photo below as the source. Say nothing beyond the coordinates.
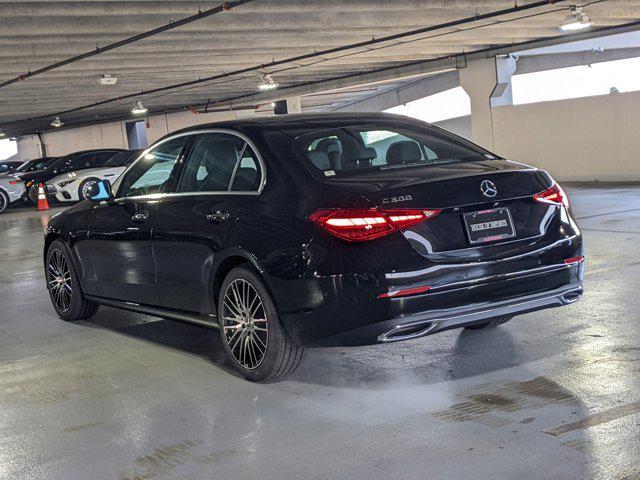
(323, 229)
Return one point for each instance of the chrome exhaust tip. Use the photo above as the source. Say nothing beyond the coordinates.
(407, 332)
(572, 296)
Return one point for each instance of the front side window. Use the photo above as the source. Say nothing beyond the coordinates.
(151, 173)
(221, 162)
(353, 149)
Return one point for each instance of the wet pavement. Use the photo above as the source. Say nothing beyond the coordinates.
(552, 394)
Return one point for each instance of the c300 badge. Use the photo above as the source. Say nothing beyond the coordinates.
(399, 198)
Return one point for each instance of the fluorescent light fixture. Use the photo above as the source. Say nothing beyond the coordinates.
(138, 108)
(56, 122)
(267, 82)
(576, 20)
(107, 79)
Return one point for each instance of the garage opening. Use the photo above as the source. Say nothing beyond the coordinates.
(137, 135)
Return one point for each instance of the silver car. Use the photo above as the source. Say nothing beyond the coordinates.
(11, 189)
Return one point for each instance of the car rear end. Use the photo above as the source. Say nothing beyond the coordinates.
(13, 188)
(418, 231)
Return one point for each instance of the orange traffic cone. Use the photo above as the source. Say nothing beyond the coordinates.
(43, 204)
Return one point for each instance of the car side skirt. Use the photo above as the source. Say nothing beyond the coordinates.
(207, 321)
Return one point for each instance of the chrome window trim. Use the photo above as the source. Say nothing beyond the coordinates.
(158, 196)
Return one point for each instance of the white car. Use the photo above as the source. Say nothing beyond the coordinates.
(75, 186)
(11, 190)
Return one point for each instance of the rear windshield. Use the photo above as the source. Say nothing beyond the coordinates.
(354, 149)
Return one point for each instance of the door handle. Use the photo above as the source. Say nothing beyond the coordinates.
(140, 217)
(217, 216)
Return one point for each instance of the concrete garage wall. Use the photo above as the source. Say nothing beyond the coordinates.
(584, 139)
(114, 135)
(460, 126)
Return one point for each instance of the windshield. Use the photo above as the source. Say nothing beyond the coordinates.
(25, 166)
(354, 149)
(32, 165)
(56, 164)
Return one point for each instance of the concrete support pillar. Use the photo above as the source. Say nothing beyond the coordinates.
(28, 147)
(488, 84)
(503, 93)
(479, 79)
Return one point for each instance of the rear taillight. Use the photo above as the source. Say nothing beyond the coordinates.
(553, 195)
(14, 182)
(574, 260)
(355, 225)
(405, 292)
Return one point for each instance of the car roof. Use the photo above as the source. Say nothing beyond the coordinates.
(94, 150)
(303, 120)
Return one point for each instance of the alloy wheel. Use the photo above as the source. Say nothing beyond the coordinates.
(244, 321)
(3, 202)
(86, 189)
(59, 280)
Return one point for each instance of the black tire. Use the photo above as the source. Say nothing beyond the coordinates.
(33, 194)
(491, 323)
(281, 356)
(4, 201)
(69, 303)
(81, 195)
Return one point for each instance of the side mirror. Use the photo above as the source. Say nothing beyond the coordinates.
(100, 191)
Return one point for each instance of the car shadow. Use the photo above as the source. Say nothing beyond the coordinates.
(184, 337)
(447, 356)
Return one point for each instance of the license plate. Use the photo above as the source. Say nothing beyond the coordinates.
(489, 225)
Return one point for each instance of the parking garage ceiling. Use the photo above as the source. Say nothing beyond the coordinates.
(36, 34)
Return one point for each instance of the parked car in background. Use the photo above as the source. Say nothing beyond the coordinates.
(333, 229)
(75, 185)
(33, 165)
(69, 163)
(11, 190)
(9, 166)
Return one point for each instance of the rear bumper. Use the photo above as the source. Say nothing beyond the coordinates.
(419, 325)
(15, 194)
(354, 315)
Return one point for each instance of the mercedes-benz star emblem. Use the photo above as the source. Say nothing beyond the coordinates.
(488, 188)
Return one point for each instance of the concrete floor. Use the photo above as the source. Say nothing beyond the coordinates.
(551, 395)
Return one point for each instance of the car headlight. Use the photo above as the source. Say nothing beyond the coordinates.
(66, 182)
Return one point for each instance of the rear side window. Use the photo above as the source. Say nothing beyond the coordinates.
(221, 162)
(350, 150)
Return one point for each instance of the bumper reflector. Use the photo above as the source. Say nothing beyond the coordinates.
(405, 292)
(572, 260)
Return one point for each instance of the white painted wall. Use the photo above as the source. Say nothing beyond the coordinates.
(585, 139)
(113, 134)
